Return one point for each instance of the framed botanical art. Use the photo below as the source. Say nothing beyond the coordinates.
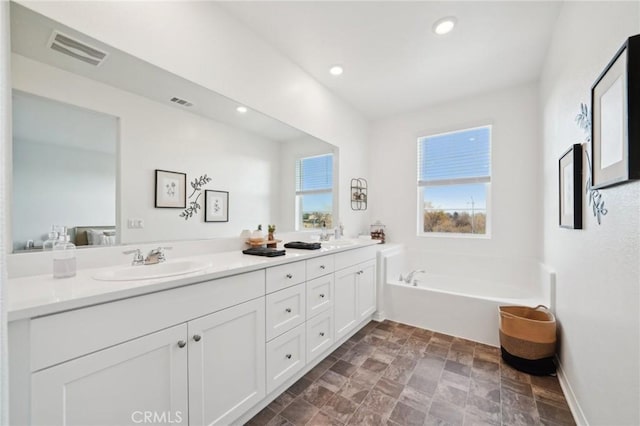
(615, 109)
(171, 190)
(216, 206)
(570, 188)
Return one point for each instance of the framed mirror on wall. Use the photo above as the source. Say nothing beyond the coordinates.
(163, 122)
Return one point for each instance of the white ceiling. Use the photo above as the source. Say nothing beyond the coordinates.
(393, 61)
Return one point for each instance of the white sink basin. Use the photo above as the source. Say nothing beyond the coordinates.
(147, 272)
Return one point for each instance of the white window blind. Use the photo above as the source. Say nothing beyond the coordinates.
(455, 158)
(314, 174)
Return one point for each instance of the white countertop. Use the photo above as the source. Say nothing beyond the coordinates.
(39, 295)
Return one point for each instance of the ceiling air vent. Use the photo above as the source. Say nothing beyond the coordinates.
(76, 49)
(182, 102)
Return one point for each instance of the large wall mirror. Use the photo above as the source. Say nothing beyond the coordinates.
(92, 124)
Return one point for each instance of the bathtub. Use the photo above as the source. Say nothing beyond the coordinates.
(455, 304)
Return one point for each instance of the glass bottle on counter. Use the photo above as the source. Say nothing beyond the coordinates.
(51, 240)
(64, 256)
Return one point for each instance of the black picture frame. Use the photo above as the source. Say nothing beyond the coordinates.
(615, 118)
(216, 206)
(570, 188)
(170, 190)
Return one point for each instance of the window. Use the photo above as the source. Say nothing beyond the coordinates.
(454, 178)
(314, 192)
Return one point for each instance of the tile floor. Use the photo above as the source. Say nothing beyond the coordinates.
(395, 374)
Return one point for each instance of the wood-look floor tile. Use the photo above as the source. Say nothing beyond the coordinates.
(344, 368)
(378, 402)
(389, 387)
(450, 413)
(299, 412)
(365, 417)
(281, 402)
(340, 408)
(262, 418)
(323, 419)
(484, 409)
(415, 399)
(332, 380)
(298, 387)
(398, 375)
(317, 395)
(355, 390)
(406, 415)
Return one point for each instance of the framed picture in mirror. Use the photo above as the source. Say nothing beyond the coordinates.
(216, 206)
(570, 187)
(171, 189)
(615, 109)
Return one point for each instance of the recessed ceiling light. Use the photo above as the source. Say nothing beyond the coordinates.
(336, 70)
(444, 25)
(242, 109)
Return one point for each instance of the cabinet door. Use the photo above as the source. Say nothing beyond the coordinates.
(117, 386)
(345, 301)
(366, 289)
(226, 363)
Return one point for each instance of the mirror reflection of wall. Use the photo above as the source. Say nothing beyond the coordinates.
(249, 155)
(64, 169)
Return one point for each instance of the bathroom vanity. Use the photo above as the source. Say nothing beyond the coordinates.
(212, 347)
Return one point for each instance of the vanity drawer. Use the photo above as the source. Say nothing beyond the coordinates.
(285, 309)
(355, 256)
(283, 276)
(319, 334)
(319, 295)
(319, 266)
(60, 337)
(285, 357)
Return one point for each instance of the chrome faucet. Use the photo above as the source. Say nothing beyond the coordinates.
(138, 259)
(411, 274)
(324, 235)
(156, 256)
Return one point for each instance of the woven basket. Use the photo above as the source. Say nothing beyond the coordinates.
(528, 338)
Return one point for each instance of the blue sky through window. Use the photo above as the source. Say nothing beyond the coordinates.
(456, 197)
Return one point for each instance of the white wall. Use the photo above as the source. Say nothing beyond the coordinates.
(237, 64)
(62, 185)
(598, 277)
(515, 224)
(155, 136)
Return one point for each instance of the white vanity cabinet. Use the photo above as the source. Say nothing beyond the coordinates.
(226, 363)
(208, 353)
(355, 289)
(116, 385)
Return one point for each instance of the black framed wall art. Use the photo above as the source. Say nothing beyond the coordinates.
(615, 109)
(570, 187)
(171, 189)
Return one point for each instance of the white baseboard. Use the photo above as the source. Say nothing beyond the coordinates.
(572, 401)
(379, 316)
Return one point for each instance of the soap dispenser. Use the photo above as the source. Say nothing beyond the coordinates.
(51, 240)
(64, 256)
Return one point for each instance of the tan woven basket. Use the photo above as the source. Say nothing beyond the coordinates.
(528, 333)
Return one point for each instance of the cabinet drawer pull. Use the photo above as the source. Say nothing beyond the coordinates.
(322, 295)
(322, 267)
(289, 276)
(288, 356)
(288, 310)
(182, 343)
(322, 334)
(197, 337)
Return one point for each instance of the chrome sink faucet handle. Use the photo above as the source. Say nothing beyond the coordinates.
(137, 257)
(156, 256)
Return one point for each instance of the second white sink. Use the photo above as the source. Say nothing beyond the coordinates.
(147, 272)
